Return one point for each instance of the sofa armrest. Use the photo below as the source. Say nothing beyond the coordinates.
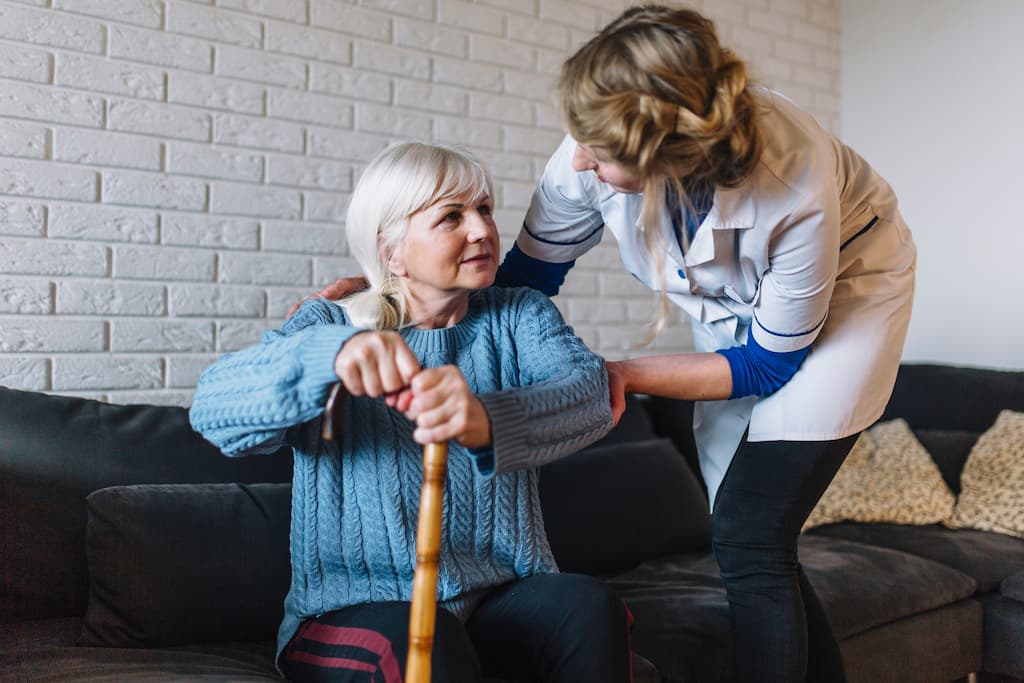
(1013, 587)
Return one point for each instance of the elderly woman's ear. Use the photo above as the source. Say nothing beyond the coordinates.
(393, 257)
(396, 261)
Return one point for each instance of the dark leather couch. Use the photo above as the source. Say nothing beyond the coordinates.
(131, 550)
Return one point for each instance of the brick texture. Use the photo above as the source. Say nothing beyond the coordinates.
(173, 173)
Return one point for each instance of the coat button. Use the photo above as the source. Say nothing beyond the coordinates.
(681, 273)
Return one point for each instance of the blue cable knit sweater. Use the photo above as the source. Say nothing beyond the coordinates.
(355, 501)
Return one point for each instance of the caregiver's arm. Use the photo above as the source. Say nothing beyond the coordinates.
(690, 376)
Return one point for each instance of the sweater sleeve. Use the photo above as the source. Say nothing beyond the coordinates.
(561, 403)
(520, 270)
(248, 400)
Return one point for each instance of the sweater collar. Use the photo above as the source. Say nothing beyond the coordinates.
(423, 341)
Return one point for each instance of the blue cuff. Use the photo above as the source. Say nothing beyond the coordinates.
(757, 371)
(520, 270)
(483, 460)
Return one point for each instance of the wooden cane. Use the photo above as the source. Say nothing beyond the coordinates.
(423, 610)
(428, 552)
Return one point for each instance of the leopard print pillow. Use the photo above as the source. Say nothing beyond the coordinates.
(992, 482)
(887, 477)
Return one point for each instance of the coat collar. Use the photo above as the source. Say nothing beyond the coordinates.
(733, 209)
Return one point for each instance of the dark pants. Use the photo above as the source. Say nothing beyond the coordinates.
(780, 631)
(551, 627)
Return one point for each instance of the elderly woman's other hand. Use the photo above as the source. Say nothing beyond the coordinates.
(443, 408)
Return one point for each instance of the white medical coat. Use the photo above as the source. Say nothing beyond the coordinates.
(810, 248)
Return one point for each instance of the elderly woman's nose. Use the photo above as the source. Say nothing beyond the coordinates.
(583, 160)
(477, 227)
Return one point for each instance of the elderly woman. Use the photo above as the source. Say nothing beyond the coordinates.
(428, 353)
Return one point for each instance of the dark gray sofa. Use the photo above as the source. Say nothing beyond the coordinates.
(188, 549)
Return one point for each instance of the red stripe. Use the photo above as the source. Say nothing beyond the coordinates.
(331, 662)
(358, 637)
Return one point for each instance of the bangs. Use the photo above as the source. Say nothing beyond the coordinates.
(459, 176)
(405, 179)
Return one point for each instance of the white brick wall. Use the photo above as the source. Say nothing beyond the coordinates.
(173, 172)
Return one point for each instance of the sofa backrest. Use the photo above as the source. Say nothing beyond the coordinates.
(55, 451)
(933, 396)
(949, 406)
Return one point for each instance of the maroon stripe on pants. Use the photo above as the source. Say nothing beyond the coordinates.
(355, 637)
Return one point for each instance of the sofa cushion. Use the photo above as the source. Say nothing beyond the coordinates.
(634, 425)
(1004, 639)
(986, 557)
(992, 483)
(611, 506)
(54, 451)
(887, 477)
(951, 397)
(1013, 587)
(180, 564)
(682, 616)
(949, 449)
(235, 662)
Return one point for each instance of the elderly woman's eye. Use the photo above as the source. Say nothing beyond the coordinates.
(452, 217)
(484, 209)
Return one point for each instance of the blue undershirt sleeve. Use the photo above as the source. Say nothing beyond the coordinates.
(757, 371)
(520, 270)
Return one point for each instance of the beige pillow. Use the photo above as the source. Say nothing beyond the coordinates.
(992, 482)
(887, 477)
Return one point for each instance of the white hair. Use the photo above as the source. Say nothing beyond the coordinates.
(399, 182)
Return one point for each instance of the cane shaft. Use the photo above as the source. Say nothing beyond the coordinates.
(428, 552)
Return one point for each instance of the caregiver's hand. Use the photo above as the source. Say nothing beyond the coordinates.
(376, 364)
(443, 408)
(336, 290)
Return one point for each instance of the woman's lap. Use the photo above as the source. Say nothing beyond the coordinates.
(554, 627)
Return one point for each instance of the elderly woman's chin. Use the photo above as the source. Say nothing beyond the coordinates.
(481, 272)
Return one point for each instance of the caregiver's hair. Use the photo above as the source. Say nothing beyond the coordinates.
(657, 92)
(399, 182)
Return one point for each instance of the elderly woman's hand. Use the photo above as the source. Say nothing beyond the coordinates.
(376, 364)
(443, 408)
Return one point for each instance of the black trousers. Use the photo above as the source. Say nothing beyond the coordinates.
(564, 628)
(780, 631)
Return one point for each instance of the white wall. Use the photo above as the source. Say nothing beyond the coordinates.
(173, 172)
(932, 94)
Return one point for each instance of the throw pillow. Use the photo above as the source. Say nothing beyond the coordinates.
(992, 483)
(186, 563)
(598, 505)
(887, 477)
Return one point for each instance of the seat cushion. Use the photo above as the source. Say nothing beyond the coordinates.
(682, 616)
(986, 557)
(44, 651)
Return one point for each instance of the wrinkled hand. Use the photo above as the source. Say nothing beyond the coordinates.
(376, 364)
(616, 390)
(336, 290)
(443, 407)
